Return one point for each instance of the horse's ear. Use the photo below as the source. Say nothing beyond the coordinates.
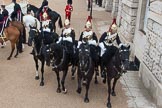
(30, 26)
(128, 47)
(121, 47)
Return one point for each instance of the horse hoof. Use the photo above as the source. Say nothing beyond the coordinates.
(79, 90)
(15, 56)
(8, 58)
(108, 105)
(58, 90)
(64, 91)
(86, 100)
(96, 82)
(72, 77)
(36, 77)
(84, 83)
(104, 81)
(42, 84)
(2, 46)
(20, 51)
(113, 94)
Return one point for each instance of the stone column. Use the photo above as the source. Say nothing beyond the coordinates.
(128, 19)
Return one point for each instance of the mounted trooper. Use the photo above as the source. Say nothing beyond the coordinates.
(68, 33)
(44, 11)
(5, 15)
(17, 11)
(107, 40)
(88, 36)
(67, 39)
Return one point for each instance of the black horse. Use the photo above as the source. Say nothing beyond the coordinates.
(33, 8)
(116, 62)
(53, 15)
(41, 49)
(60, 63)
(85, 69)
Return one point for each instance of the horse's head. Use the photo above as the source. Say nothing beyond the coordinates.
(28, 7)
(33, 33)
(84, 57)
(124, 56)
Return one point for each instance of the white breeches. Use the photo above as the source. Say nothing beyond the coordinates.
(103, 49)
(69, 39)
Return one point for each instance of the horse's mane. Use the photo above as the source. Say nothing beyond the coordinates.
(33, 7)
(109, 55)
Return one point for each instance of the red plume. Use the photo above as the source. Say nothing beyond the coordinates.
(114, 22)
(89, 18)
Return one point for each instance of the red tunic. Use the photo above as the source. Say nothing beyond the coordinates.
(68, 10)
(41, 18)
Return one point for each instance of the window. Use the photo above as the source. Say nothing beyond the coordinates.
(144, 16)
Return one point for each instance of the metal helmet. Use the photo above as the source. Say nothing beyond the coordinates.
(88, 24)
(67, 22)
(114, 27)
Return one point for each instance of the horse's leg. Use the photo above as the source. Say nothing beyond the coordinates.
(17, 50)
(20, 43)
(37, 66)
(86, 99)
(79, 90)
(42, 71)
(114, 84)
(73, 69)
(96, 74)
(58, 80)
(54, 27)
(63, 80)
(13, 48)
(109, 91)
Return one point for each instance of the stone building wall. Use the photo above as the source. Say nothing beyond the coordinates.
(141, 26)
(151, 62)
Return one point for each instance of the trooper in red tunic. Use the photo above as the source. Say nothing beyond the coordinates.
(44, 11)
(68, 10)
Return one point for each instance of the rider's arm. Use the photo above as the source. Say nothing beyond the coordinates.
(103, 36)
(73, 35)
(118, 40)
(95, 37)
(81, 37)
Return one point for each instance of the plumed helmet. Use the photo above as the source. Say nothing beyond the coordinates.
(67, 22)
(45, 15)
(114, 27)
(88, 24)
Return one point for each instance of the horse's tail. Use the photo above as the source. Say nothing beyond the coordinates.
(24, 34)
(60, 22)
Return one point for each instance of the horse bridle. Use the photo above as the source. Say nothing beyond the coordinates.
(120, 51)
(85, 72)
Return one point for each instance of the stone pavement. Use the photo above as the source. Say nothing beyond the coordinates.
(21, 90)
